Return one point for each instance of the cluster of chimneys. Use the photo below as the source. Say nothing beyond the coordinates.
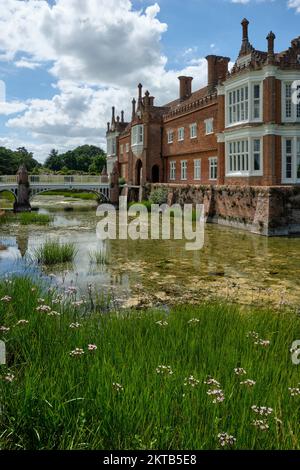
(145, 101)
(115, 119)
(217, 72)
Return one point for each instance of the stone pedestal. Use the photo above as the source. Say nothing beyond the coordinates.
(22, 203)
(114, 192)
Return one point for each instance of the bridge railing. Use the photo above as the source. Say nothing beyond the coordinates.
(10, 179)
(56, 179)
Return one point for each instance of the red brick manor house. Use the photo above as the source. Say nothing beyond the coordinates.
(242, 129)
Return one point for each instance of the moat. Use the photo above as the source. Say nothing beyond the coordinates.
(233, 265)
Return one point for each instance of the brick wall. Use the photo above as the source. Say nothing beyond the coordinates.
(269, 211)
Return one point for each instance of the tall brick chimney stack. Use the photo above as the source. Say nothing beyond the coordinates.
(271, 40)
(246, 46)
(133, 108)
(140, 87)
(217, 70)
(185, 87)
(113, 120)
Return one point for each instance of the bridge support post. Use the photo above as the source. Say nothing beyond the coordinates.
(114, 192)
(22, 203)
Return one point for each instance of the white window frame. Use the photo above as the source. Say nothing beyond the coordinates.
(193, 130)
(294, 108)
(137, 135)
(240, 157)
(172, 171)
(243, 106)
(295, 159)
(213, 166)
(180, 134)
(127, 147)
(197, 169)
(170, 134)
(209, 126)
(183, 170)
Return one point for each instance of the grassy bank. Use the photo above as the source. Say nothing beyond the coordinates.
(119, 396)
(29, 218)
(72, 194)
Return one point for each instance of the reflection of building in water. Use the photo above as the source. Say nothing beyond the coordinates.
(22, 242)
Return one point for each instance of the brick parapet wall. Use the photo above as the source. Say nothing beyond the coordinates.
(264, 210)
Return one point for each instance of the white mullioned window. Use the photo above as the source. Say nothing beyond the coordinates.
(238, 105)
(181, 134)
(256, 101)
(291, 160)
(290, 103)
(184, 170)
(197, 169)
(170, 134)
(244, 157)
(209, 126)
(193, 130)
(137, 135)
(111, 146)
(213, 168)
(172, 171)
(244, 103)
(288, 100)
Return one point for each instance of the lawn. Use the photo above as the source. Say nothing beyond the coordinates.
(72, 194)
(81, 379)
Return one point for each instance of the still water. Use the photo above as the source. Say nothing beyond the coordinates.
(233, 264)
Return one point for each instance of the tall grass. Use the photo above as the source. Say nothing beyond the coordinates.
(113, 398)
(53, 252)
(29, 218)
(99, 257)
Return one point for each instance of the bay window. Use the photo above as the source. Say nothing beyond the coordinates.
(244, 103)
(238, 105)
(244, 157)
(137, 135)
(291, 160)
(291, 101)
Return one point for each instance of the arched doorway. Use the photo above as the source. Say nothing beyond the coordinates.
(138, 172)
(155, 174)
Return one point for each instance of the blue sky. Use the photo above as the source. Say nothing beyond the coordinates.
(66, 62)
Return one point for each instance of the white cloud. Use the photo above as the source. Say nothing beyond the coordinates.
(27, 64)
(98, 50)
(13, 107)
(294, 4)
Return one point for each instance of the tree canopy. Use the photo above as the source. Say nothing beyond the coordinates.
(83, 159)
(10, 160)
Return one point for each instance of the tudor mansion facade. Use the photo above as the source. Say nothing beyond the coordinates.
(243, 128)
